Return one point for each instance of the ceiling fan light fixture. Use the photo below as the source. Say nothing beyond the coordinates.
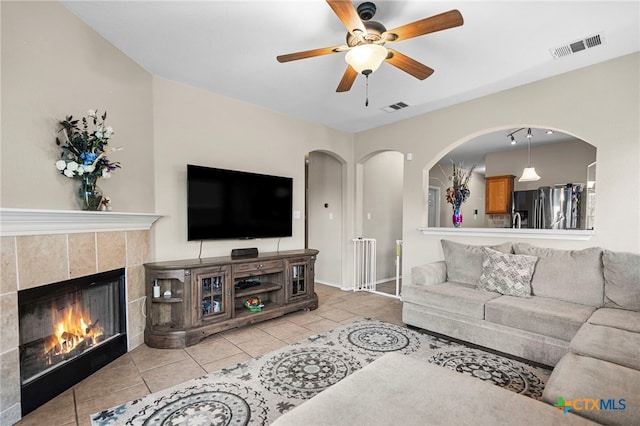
(366, 58)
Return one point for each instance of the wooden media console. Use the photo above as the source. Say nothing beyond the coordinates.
(200, 297)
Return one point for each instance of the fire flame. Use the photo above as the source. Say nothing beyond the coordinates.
(70, 331)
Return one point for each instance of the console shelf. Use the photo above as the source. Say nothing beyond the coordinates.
(204, 298)
(244, 312)
(166, 300)
(266, 287)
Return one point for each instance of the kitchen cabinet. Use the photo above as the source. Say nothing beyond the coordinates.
(498, 194)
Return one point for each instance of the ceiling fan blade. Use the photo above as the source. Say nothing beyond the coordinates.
(443, 21)
(348, 15)
(310, 53)
(408, 65)
(347, 79)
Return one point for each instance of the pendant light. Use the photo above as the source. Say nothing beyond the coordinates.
(529, 173)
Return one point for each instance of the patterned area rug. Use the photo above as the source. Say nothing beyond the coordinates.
(260, 390)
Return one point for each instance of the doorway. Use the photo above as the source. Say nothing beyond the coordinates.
(382, 189)
(324, 207)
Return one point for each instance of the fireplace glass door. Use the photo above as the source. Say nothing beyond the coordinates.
(67, 322)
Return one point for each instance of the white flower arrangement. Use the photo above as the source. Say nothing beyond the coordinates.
(84, 151)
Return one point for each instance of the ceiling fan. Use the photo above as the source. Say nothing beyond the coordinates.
(366, 39)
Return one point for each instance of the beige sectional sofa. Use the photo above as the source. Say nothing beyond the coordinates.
(577, 310)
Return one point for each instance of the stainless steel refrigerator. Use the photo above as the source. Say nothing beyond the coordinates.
(560, 207)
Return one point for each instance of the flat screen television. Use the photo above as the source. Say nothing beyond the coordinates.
(230, 204)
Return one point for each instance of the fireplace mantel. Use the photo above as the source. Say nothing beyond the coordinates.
(14, 222)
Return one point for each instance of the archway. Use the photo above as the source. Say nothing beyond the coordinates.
(325, 214)
(380, 187)
(560, 159)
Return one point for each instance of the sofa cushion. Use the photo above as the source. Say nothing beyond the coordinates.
(464, 262)
(458, 298)
(398, 389)
(550, 317)
(429, 274)
(609, 344)
(507, 273)
(569, 275)
(617, 318)
(621, 280)
(577, 377)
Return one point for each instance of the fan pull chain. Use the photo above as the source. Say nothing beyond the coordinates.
(366, 101)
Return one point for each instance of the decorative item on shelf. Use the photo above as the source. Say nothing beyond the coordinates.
(217, 283)
(456, 218)
(105, 204)
(458, 192)
(84, 156)
(254, 304)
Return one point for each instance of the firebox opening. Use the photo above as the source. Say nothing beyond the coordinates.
(69, 330)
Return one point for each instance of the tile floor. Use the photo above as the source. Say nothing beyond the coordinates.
(146, 370)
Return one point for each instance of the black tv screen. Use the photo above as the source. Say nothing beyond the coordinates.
(230, 204)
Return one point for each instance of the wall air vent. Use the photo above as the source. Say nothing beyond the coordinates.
(395, 107)
(577, 46)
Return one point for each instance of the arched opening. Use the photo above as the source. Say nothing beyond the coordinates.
(380, 188)
(566, 166)
(325, 214)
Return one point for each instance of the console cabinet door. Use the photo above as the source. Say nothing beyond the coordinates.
(300, 277)
(211, 288)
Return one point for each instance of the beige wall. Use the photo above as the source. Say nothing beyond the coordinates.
(598, 104)
(193, 126)
(53, 65)
(557, 164)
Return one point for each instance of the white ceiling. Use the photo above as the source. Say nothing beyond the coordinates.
(229, 48)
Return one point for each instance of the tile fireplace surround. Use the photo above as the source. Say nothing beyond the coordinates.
(40, 247)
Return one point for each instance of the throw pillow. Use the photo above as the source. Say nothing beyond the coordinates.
(508, 274)
(621, 280)
(569, 275)
(464, 262)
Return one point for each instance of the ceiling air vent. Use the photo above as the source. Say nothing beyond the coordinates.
(395, 107)
(577, 46)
